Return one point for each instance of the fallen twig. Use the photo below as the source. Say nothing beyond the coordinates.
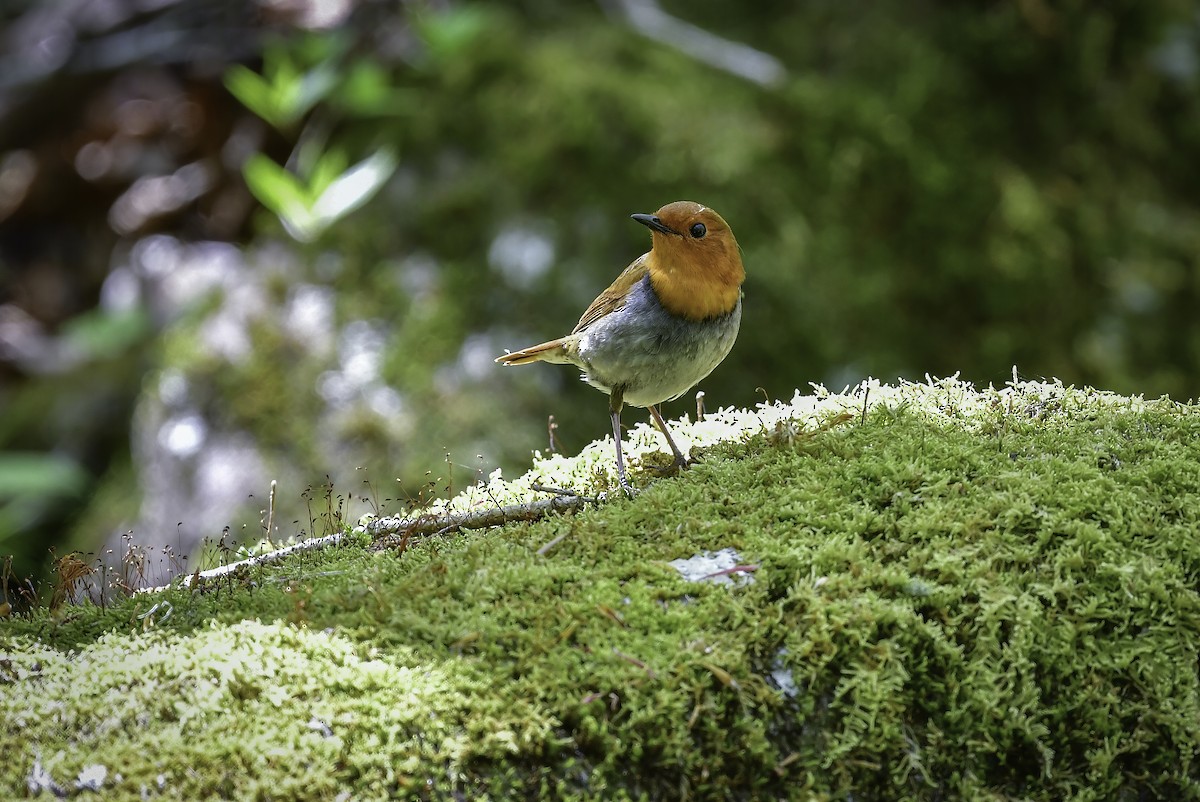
(201, 577)
(628, 658)
(559, 491)
(736, 569)
(397, 531)
(544, 550)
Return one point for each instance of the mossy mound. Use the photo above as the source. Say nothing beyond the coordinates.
(956, 594)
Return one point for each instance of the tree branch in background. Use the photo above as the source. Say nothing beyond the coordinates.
(741, 60)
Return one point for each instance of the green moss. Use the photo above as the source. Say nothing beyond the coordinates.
(975, 595)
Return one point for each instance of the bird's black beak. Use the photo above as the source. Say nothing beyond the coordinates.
(652, 222)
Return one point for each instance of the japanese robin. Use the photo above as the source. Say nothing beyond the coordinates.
(663, 325)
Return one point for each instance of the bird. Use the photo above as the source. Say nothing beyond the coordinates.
(663, 325)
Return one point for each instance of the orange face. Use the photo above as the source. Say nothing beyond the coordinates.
(694, 264)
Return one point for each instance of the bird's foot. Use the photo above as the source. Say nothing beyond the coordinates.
(676, 466)
(630, 490)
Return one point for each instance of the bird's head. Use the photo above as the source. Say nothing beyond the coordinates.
(694, 263)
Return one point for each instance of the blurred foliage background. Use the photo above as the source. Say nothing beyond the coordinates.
(284, 239)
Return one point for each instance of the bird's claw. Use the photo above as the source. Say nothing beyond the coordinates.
(674, 468)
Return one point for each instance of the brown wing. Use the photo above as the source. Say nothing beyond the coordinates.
(613, 298)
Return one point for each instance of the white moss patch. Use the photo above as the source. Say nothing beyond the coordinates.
(949, 399)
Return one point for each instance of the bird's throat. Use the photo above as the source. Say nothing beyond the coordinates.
(699, 289)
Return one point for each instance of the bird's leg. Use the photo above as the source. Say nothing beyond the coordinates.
(681, 461)
(615, 401)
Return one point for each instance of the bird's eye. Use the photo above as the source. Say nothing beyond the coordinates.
(698, 230)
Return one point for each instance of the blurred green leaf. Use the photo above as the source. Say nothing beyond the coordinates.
(337, 192)
(367, 91)
(314, 47)
(450, 34)
(329, 165)
(253, 91)
(278, 190)
(355, 186)
(100, 334)
(25, 473)
(311, 89)
(282, 95)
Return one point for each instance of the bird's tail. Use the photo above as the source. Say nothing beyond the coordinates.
(552, 351)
